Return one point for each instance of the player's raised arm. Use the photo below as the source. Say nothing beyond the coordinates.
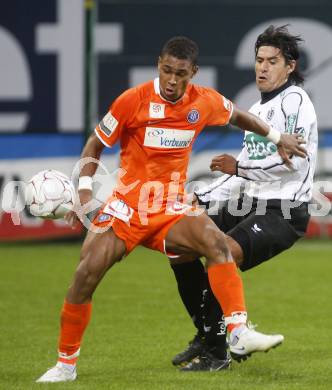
(287, 144)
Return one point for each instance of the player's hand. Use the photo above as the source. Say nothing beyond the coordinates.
(191, 199)
(224, 163)
(195, 200)
(291, 145)
(80, 208)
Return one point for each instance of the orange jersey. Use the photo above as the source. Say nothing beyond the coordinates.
(156, 136)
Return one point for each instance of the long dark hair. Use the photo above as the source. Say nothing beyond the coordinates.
(288, 44)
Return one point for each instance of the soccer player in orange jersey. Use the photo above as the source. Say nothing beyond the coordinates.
(156, 124)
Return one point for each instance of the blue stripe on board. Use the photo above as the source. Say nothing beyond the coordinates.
(70, 145)
(42, 145)
(216, 139)
(39, 145)
(325, 139)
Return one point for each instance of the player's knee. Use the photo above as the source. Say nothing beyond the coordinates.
(215, 245)
(235, 249)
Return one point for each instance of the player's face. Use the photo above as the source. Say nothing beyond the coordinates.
(174, 76)
(271, 68)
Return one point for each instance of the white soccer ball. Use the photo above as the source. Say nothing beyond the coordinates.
(50, 194)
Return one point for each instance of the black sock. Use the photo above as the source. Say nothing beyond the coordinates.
(192, 281)
(215, 336)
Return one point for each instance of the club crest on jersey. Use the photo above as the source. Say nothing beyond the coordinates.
(270, 114)
(157, 110)
(193, 116)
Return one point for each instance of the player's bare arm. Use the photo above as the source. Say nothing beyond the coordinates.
(92, 149)
(287, 144)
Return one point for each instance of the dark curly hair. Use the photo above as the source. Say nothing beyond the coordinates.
(182, 48)
(280, 38)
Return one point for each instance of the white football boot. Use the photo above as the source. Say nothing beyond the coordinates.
(58, 373)
(244, 341)
(61, 372)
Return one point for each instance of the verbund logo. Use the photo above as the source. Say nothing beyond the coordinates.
(168, 138)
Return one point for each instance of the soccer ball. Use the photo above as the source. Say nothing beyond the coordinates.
(50, 194)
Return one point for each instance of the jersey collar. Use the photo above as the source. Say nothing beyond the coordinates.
(267, 96)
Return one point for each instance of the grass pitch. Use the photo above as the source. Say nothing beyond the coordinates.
(138, 322)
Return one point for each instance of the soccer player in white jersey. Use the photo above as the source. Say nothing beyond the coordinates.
(274, 199)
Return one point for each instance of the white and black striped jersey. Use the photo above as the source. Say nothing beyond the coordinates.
(260, 167)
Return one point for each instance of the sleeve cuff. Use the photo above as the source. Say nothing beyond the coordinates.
(101, 139)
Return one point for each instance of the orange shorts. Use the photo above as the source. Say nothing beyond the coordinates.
(128, 225)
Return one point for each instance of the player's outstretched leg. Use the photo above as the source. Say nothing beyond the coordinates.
(99, 253)
(201, 236)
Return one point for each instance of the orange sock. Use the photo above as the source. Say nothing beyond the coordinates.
(74, 320)
(227, 287)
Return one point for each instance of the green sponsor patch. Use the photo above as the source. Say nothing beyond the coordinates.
(291, 123)
(259, 147)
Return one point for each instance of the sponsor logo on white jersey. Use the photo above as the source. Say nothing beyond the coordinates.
(258, 147)
(157, 110)
(168, 138)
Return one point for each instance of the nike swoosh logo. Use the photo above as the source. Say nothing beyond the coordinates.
(239, 349)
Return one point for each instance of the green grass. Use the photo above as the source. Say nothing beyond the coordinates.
(138, 322)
